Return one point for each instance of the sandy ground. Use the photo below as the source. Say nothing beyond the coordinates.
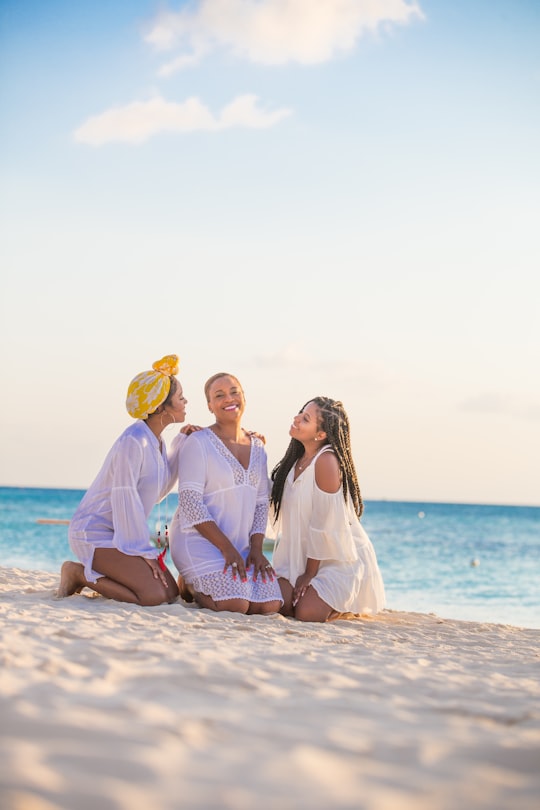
(112, 706)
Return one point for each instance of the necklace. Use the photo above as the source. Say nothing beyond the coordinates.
(307, 462)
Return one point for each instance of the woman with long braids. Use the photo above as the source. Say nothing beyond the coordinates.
(108, 532)
(324, 560)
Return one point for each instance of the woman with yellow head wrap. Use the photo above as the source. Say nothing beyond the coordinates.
(149, 389)
(109, 532)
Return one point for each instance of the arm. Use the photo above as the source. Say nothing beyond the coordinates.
(173, 455)
(328, 481)
(256, 557)
(304, 580)
(129, 514)
(330, 536)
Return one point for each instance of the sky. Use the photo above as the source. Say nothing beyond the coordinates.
(322, 197)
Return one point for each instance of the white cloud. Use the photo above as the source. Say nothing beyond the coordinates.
(299, 359)
(141, 120)
(502, 405)
(274, 32)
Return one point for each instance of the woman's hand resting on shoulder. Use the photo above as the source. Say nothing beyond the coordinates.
(188, 429)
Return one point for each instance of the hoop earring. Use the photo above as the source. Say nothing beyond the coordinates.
(171, 416)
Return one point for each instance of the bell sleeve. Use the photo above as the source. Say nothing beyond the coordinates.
(330, 535)
(131, 532)
(191, 479)
(260, 518)
(173, 456)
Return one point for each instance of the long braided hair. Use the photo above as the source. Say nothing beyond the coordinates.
(334, 421)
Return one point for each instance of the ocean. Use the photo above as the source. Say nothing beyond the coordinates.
(458, 561)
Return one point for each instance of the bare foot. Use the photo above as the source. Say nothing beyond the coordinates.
(72, 579)
(186, 591)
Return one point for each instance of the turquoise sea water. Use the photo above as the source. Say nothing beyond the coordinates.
(473, 562)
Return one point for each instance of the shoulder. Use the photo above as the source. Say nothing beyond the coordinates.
(199, 442)
(256, 441)
(134, 433)
(327, 472)
(131, 445)
(198, 435)
(199, 438)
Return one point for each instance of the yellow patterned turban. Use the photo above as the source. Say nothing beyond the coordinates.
(149, 389)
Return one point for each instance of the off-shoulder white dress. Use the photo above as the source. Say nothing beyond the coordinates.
(323, 526)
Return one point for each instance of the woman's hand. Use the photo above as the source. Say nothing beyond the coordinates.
(236, 562)
(260, 565)
(258, 435)
(156, 570)
(302, 584)
(188, 429)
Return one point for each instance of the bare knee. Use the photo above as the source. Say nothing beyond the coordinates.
(311, 608)
(233, 605)
(266, 608)
(310, 613)
(307, 616)
(154, 594)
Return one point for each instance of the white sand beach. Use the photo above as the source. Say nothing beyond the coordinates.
(121, 707)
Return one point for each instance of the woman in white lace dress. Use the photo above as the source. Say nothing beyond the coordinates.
(324, 559)
(218, 529)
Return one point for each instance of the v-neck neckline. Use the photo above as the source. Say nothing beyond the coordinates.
(158, 443)
(230, 453)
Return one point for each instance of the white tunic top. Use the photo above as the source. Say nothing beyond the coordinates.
(213, 485)
(114, 511)
(323, 526)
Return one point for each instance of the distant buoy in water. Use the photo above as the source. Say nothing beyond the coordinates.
(421, 514)
(475, 562)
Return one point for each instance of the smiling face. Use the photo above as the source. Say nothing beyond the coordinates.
(175, 404)
(305, 425)
(226, 398)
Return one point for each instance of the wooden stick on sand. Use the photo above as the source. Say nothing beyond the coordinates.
(53, 520)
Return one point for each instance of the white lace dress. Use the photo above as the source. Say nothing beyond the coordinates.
(213, 485)
(322, 526)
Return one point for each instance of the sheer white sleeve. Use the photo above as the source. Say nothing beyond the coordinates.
(191, 479)
(260, 518)
(192, 509)
(131, 533)
(173, 460)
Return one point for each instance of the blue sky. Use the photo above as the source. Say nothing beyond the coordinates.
(330, 197)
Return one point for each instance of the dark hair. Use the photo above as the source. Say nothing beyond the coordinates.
(215, 377)
(172, 390)
(335, 423)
